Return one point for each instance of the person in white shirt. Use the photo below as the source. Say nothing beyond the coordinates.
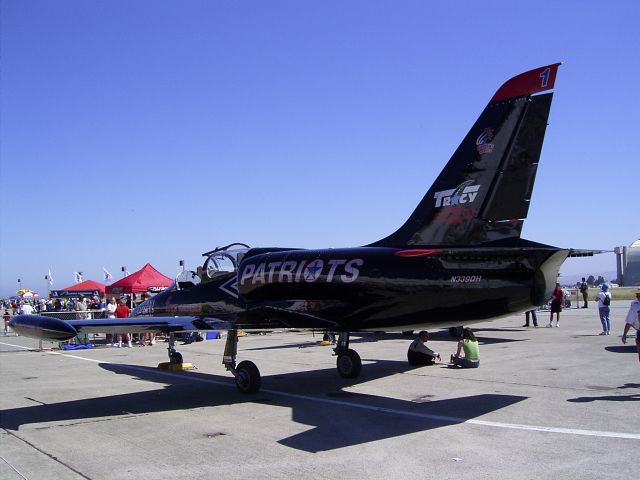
(111, 308)
(111, 313)
(604, 299)
(26, 309)
(82, 309)
(633, 320)
(419, 353)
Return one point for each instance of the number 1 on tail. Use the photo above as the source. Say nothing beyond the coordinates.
(545, 76)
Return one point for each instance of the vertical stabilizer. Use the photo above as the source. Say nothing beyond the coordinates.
(482, 195)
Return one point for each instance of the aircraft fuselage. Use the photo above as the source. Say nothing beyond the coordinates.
(369, 288)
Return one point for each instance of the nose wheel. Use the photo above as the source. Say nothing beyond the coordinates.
(175, 357)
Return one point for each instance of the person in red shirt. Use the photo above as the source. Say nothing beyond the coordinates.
(122, 311)
(557, 297)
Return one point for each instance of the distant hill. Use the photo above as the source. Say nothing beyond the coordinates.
(573, 279)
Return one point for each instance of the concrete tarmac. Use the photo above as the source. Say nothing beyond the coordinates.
(545, 402)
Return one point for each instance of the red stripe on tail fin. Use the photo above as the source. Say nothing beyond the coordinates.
(533, 81)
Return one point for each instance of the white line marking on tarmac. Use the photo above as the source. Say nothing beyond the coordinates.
(13, 468)
(512, 426)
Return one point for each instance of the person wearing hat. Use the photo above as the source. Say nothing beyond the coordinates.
(633, 320)
(604, 300)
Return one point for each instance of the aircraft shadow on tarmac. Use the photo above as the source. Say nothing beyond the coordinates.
(436, 336)
(634, 397)
(336, 423)
(621, 348)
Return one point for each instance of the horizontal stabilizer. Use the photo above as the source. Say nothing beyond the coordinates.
(586, 253)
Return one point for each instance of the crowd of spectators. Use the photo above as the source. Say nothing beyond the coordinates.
(41, 305)
(83, 308)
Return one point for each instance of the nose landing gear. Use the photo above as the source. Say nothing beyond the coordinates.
(175, 362)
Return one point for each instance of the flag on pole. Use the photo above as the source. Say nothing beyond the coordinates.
(107, 275)
(77, 276)
(50, 278)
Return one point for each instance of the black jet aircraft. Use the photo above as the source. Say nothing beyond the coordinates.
(458, 259)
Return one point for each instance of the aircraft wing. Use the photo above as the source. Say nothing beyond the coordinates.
(52, 328)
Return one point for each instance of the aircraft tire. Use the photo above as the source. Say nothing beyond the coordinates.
(349, 364)
(248, 377)
(456, 332)
(175, 357)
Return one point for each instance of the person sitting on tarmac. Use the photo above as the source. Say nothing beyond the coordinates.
(190, 337)
(419, 353)
(469, 344)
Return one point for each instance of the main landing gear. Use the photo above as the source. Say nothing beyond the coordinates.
(456, 332)
(348, 363)
(247, 375)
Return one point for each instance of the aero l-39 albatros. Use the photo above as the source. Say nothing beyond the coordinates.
(458, 258)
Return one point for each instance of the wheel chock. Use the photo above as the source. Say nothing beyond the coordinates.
(175, 367)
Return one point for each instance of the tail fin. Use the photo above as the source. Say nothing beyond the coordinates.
(482, 195)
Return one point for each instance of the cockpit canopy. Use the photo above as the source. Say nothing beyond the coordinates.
(219, 262)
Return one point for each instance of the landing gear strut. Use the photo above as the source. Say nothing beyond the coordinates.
(175, 357)
(247, 375)
(348, 363)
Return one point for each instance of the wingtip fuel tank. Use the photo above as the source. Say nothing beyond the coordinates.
(39, 326)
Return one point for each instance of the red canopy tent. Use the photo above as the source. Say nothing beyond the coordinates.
(147, 279)
(87, 288)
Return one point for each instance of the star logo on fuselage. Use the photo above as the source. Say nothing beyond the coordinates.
(313, 270)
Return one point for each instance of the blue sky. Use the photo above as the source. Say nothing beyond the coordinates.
(154, 130)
